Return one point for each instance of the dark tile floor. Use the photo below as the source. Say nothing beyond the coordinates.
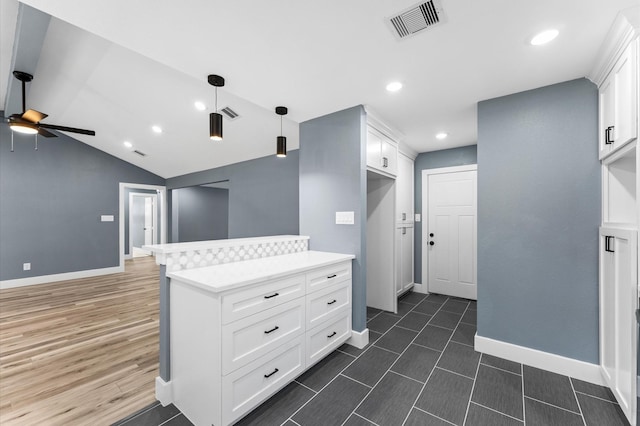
(421, 369)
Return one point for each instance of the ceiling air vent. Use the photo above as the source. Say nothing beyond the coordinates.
(417, 18)
(140, 153)
(229, 113)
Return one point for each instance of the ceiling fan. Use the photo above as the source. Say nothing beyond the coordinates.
(29, 121)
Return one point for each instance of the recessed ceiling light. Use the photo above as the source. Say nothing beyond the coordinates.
(156, 129)
(394, 86)
(200, 106)
(128, 144)
(544, 37)
(441, 135)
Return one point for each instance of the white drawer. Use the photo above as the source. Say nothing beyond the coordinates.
(328, 275)
(249, 301)
(247, 387)
(327, 337)
(327, 303)
(249, 338)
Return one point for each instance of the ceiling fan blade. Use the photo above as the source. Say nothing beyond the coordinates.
(33, 116)
(67, 129)
(46, 133)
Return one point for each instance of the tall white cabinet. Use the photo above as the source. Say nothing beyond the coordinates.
(404, 223)
(390, 212)
(617, 77)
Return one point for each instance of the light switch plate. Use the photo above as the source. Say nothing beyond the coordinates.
(418, 217)
(345, 218)
(106, 218)
(26, 266)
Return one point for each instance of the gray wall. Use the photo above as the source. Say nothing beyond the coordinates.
(200, 214)
(51, 201)
(263, 194)
(333, 178)
(538, 217)
(434, 160)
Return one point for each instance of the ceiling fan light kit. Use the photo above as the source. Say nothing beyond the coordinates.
(215, 119)
(29, 121)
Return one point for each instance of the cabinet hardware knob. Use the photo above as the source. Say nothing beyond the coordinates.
(331, 276)
(332, 302)
(272, 330)
(431, 243)
(266, 376)
(273, 295)
(331, 335)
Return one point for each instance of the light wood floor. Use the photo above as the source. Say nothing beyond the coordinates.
(80, 352)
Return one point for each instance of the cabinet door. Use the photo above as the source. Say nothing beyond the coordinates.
(406, 264)
(619, 103)
(625, 75)
(618, 303)
(607, 116)
(404, 190)
(398, 263)
(389, 157)
(374, 149)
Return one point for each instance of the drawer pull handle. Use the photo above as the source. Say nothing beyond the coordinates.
(266, 376)
(273, 295)
(272, 330)
(332, 334)
(332, 302)
(332, 276)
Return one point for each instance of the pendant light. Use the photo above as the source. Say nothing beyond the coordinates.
(281, 149)
(215, 119)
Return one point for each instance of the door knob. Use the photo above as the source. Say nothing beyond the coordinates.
(431, 243)
(431, 234)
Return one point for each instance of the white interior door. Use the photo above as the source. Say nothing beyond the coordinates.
(618, 303)
(450, 237)
(149, 224)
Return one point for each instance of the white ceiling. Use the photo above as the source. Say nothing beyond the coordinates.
(118, 67)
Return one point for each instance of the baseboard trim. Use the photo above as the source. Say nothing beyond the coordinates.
(419, 288)
(44, 279)
(359, 339)
(551, 362)
(163, 392)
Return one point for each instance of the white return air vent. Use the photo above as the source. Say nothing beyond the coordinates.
(229, 114)
(417, 18)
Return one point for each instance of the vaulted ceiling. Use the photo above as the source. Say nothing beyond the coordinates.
(119, 67)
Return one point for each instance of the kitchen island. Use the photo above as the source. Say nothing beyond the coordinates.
(240, 331)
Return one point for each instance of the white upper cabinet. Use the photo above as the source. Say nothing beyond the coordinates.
(404, 190)
(618, 102)
(382, 153)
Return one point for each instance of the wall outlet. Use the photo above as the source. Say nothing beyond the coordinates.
(418, 217)
(26, 266)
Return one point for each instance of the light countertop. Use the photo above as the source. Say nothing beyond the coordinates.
(219, 278)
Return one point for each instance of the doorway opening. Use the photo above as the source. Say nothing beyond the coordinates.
(143, 219)
(141, 206)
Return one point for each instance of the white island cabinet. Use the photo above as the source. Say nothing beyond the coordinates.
(243, 330)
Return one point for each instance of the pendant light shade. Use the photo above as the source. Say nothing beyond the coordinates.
(215, 126)
(281, 147)
(215, 119)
